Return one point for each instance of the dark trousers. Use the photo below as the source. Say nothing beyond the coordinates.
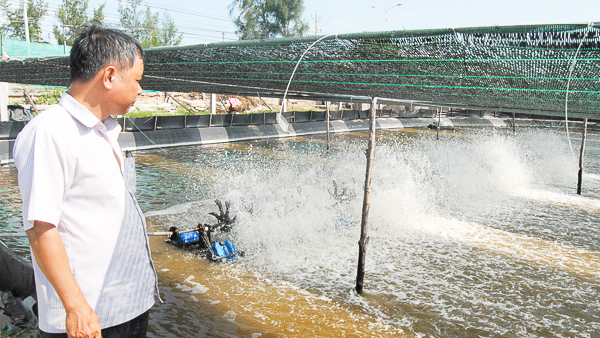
(135, 328)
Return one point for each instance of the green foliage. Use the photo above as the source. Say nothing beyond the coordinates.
(99, 13)
(15, 27)
(168, 34)
(150, 35)
(145, 25)
(50, 97)
(263, 19)
(71, 15)
(130, 15)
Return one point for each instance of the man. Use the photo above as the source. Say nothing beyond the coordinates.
(90, 252)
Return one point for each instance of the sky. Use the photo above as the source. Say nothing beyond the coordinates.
(206, 21)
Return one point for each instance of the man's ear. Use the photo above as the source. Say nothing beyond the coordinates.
(108, 75)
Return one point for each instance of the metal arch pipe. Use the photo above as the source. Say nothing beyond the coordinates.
(280, 120)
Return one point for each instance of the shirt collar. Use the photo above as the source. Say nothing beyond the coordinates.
(85, 117)
(113, 128)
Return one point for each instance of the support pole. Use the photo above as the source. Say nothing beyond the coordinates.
(514, 131)
(283, 105)
(2, 45)
(327, 118)
(26, 21)
(364, 227)
(581, 155)
(213, 104)
(439, 125)
(64, 41)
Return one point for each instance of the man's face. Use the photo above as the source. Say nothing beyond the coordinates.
(126, 87)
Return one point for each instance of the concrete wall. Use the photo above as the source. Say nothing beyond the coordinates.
(228, 131)
(153, 132)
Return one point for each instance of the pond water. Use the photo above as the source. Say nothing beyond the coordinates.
(477, 234)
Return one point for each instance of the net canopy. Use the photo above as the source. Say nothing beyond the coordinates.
(537, 69)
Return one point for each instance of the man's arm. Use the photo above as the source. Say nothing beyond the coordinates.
(51, 257)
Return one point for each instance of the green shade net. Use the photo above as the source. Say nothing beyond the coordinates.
(532, 69)
(15, 48)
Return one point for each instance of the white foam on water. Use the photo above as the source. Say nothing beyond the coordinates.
(595, 177)
(230, 316)
(531, 249)
(576, 201)
(196, 287)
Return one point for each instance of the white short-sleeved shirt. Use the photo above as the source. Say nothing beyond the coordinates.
(69, 177)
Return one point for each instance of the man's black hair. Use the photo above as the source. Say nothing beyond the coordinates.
(98, 46)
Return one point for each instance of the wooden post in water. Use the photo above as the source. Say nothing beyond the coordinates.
(581, 155)
(439, 125)
(327, 118)
(364, 226)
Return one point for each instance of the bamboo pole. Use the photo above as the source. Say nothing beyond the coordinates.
(364, 227)
(581, 155)
(439, 125)
(327, 117)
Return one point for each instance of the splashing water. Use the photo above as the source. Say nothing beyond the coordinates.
(477, 234)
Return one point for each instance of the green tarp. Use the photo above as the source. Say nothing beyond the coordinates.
(14, 48)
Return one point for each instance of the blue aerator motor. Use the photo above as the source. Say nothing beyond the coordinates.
(223, 251)
(201, 236)
(187, 238)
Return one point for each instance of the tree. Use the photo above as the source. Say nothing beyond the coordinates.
(15, 28)
(130, 15)
(169, 35)
(150, 34)
(149, 31)
(263, 19)
(99, 13)
(71, 15)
